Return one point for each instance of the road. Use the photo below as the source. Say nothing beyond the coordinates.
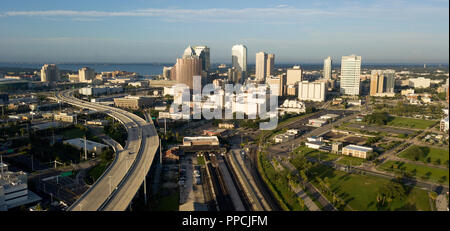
(116, 187)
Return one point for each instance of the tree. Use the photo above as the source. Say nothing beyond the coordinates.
(301, 202)
(390, 191)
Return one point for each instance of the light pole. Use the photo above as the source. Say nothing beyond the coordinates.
(110, 190)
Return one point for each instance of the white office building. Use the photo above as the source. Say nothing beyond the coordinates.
(313, 91)
(327, 68)
(260, 67)
(239, 57)
(350, 74)
(50, 73)
(86, 74)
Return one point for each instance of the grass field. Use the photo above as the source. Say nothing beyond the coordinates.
(360, 191)
(436, 156)
(169, 203)
(72, 133)
(316, 154)
(411, 123)
(352, 161)
(424, 172)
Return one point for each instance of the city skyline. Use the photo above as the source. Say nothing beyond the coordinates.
(155, 31)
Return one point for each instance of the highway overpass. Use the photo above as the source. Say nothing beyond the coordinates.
(118, 185)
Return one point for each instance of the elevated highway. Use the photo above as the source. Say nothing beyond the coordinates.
(118, 185)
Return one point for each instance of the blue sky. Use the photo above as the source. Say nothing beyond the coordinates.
(158, 31)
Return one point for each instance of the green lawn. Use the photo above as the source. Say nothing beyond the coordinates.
(95, 172)
(424, 172)
(352, 161)
(324, 156)
(72, 133)
(411, 123)
(360, 191)
(169, 203)
(433, 155)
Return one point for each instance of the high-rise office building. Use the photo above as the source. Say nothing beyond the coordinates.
(382, 82)
(279, 80)
(186, 68)
(50, 73)
(350, 74)
(270, 64)
(86, 74)
(294, 75)
(203, 53)
(234, 76)
(239, 57)
(261, 66)
(327, 68)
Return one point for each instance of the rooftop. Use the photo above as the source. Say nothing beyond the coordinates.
(359, 148)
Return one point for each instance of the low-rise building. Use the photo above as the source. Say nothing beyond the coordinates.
(138, 84)
(357, 151)
(134, 102)
(101, 90)
(97, 122)
(91, 146)
(14, 190)
(336, 147)
(329, 117)
(65, 117)
(406, 92)
(420, 82)
(201, 141)
(226, 125)
(214, 132)
(317, 122)
(444, 124)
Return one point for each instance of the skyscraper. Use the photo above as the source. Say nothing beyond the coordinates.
(270, 64)
(186, 68)
(261, 66)
(350, 74)
(85, 74)
(50, 73)
(382, 82)
(234, 76)
(294, 75)
(203, 53)
(239, 57)
(327, 68)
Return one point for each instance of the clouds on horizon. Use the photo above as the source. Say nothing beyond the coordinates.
(280, 13)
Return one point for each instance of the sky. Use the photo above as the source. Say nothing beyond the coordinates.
(144, 31)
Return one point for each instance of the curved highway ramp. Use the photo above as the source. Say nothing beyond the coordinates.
(117, 186)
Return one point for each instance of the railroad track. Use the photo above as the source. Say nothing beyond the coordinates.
(222, 196)
(240, 189)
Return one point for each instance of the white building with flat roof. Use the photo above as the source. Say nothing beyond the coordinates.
(312, 91)
(356, 151)
(201, 140)
(91, 146)
(420, 82)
